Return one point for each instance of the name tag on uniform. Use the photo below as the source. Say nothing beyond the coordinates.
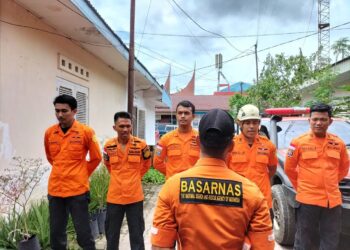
(211, 191)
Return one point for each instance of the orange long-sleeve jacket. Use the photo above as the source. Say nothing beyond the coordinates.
(257, 163)
(67, 155)
(315, 166)
(211, 207)
(127, 167)
(176, 152)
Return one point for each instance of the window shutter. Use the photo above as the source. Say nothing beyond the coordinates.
(141, 124)
(65, 91)
(81, 115)
(81, 93)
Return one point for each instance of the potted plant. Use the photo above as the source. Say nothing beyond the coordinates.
(16, 188)
(99, 182)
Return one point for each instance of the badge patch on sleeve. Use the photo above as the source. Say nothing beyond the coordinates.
(211, 191)
(291, 150)
(105, 156)
(159, 150)
(146, 153)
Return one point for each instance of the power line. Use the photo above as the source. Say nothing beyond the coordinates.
(200, 68)
(233, 36)
(216, 34)
(56, 34)
(211, 65)
(264, 49)
(195, 38)
(173, 63)
(165, 57)
(308, 25)
(144, 26)
(109, 45)
(94, 44)
(68, 7)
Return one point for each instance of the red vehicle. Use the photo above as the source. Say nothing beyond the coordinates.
(281, 128)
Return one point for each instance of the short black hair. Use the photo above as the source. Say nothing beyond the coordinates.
(216, 129)
(186, 104)
(66, 99)
(215, 152)
(321, 107)
(122, 114)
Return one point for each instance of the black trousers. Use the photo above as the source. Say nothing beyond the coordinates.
(60, 208)
(136, 224)
(317, 227)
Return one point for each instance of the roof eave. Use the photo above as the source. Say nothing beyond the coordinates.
(86, 8)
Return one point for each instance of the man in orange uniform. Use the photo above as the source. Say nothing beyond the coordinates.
(127, 159)
(178, 150)
(316, 162)
(209, 206)
(66, 145)
(254, 155)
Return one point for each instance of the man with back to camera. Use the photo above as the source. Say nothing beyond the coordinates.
(210, 206)
(315, 163)
(66, 145)
(127, 159)
(178, 150)
(254, 155)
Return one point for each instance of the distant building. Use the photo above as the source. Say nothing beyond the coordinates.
(341, 96)
(237, 87)
(203, 103)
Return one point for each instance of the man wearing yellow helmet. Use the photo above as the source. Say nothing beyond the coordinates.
(254, 155)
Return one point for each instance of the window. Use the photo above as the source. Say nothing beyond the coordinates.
(81, 93)
(141, 121)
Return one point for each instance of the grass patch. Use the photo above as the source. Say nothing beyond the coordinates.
(153, 176)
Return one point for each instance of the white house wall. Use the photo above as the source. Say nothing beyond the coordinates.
(28, 73)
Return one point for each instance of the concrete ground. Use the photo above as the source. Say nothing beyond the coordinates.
(151, 194)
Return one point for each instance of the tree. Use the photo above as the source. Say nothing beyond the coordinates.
(324, 90)
(280, 81)
(341, 47)
(237, 101)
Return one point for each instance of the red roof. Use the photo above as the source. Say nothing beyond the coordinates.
(201, 102)
(189, 89)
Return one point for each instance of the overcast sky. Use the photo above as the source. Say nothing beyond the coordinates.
(166, 37)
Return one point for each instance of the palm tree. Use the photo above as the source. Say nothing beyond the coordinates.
(341, 47)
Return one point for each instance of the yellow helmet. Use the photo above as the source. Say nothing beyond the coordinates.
(248, 112)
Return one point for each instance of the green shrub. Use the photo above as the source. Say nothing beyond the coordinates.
(99, 182)
(9, 233)
(153, 176)
(38, 222)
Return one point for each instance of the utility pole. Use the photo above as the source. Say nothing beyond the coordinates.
(131, 59)
(256, 62)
